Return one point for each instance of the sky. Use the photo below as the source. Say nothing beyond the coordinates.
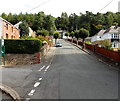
(56, 7)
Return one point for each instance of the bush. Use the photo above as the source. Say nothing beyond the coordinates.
(22, 46)
(47, 39)
(88, 43)
(119, 51)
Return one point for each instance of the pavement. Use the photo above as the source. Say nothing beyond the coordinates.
(111, 63)
(66, 73)
(14, 80)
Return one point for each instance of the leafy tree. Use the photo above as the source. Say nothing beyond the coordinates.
(49, 23)
(94, 29)
(38, 22)
(73, 22)
(83, 33)
(71, 34)
(24, 29)
(106, 44)
(67, 34)
(43, 32)
(76, 34)
(4, 16)
(58, 23)
(64, 21)
(56, 35)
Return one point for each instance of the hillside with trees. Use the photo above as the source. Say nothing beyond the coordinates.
(89, 21)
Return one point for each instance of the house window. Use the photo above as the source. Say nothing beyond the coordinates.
(7, 26)
(115, 36)
(12, 37)
(112, 35)
(12, 29)
(6, 36)
(115, 44)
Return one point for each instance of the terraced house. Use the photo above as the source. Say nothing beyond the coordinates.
(7, 30)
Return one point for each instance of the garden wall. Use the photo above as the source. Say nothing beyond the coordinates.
(104, 52)
(26, 59)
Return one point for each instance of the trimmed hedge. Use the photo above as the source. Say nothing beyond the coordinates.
(22, 46)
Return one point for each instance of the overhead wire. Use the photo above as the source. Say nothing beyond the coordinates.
(39, 5)
(106, 5)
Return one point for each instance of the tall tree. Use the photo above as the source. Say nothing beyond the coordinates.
(83, 33)
(49, 23)
(64, 21)
(56, 36)
(38, 22)
(24, 30)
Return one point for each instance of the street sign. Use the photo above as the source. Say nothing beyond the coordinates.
(2, 51)
(2, 47)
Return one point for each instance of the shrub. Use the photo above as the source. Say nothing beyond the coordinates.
(119, 51)
(22, 46)
(47, 39)
(88, 43)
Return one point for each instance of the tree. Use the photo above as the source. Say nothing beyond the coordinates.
(76, 34)
(4, 16)
(38, 22)
(73, 22)
(106, 44)
(67, 34)
(49, 23)
(65, 21)
(56, 35)
(43, 32)
(71, 34)
(24, 29)
(83, 33)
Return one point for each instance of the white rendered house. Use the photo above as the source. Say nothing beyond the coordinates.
(112, 34)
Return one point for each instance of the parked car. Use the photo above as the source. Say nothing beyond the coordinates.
(58, 44)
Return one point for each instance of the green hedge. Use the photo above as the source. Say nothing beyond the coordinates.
(22, 46)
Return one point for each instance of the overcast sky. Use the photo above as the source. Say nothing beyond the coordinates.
(56, 7)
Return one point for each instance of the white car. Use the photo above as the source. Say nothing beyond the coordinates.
(58, 44)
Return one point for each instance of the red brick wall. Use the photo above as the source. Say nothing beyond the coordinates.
(107, 53)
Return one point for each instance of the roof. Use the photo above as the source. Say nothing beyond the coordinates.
(112, 29)
(17, 25)
(7, 22)
(101, 32)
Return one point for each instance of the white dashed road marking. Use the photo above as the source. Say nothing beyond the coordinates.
(47, 68)
(36, 84)
(40, 79)
(31, 92)
(27, 99)
(41, 68)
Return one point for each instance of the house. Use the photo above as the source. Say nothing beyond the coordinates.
(96, 38)
(31, 32)
(112, 34)
(7, 30)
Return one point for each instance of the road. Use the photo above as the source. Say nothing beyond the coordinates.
(70, 74)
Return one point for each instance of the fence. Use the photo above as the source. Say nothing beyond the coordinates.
(107, 53)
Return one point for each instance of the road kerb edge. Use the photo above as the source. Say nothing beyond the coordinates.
(10, 92)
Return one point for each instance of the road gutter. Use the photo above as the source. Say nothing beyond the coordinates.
(91, 54)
